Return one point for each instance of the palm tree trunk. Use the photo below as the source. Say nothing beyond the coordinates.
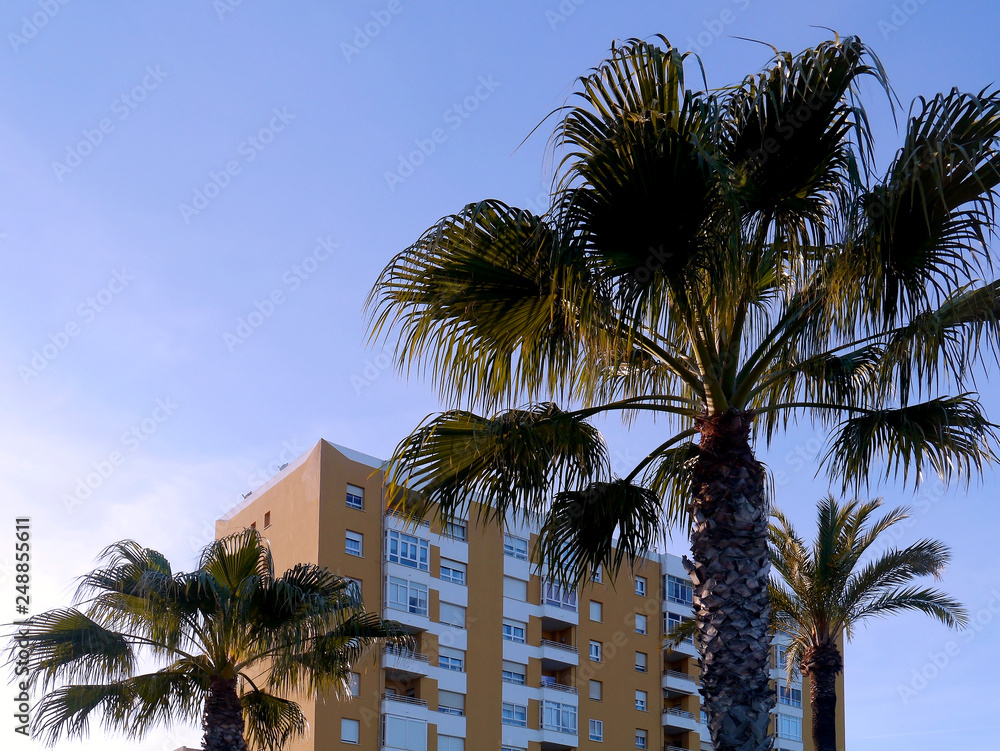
(822, 665)
(730, 575)
(223, 720)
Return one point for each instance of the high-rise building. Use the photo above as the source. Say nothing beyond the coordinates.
(503, 660)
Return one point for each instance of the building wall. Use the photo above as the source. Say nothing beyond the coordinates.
(309, 519)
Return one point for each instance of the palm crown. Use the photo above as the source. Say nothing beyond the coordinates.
(826, 589)
(728, 260)
(232, 639)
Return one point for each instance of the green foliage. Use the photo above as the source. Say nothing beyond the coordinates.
(841, 580)
(706, 250)
(231, 619)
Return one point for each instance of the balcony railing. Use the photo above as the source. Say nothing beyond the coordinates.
(560, 645)
(682, 676)
(406, 654)
(675, 748)
(551, 683)
(404, 699)
(678, 712)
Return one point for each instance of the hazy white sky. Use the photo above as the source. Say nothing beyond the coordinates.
(196, 198)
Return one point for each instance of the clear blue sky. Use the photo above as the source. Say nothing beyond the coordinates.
(169, 167)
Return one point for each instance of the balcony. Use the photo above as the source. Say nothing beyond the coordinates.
(559, 607)
(550, 683)
(405, 663)
(678, 720)
(557, 656)
(676, 683)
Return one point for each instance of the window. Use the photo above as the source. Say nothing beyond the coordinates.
(596, 611)
(267, 519)
(456, 531)
(640, 662)
(597, 576)
(789, 727)
(597, 730)
(355, 497)
(515, 547)
(513, 631)
(356, 583)
(560, 717)
(640, 623)
(450, 743)
(790, 696)
(553, 594)
(404, 732)
(514, 672)
(408, 596)
(407, 550)
(451, 703)
(512, 748)
(354, 684)
(640, 586)
(355, 543)
(452, 571)
(514, 714)
(640, 738)
(253, 525)
(451, 659)
(672, 621)
(453, 615)
(595, 651)
(350, 731)
(679, 590)
(640, 700)
(515, 589)
(596, 690)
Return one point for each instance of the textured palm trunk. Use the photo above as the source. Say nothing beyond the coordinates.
(223, 721)
(822, 665)
(730, 574)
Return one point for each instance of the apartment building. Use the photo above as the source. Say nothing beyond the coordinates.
(503, 659)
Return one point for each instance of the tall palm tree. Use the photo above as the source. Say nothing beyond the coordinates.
(828, 589)
(726, 260)
(230, 638)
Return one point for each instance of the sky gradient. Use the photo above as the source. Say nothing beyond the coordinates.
(198, 196)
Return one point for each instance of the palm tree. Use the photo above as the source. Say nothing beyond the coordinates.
(230, 637)
(728, 261)
(826, 590)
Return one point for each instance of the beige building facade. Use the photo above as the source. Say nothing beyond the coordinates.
(503, 659)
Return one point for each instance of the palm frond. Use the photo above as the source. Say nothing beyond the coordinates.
(494, 303)
(508, 463)
(950, 435)
(605, 524)
(271, 721)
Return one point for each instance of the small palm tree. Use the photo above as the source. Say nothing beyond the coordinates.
(826, 590)
(230, 637)
(724, 261)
